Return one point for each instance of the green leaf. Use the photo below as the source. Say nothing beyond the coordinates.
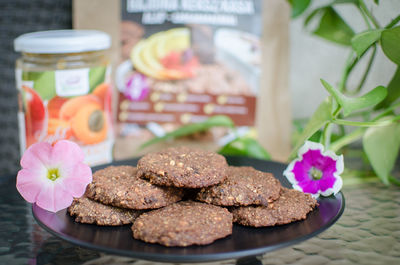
(350, 105)
(376, 2)
(313, 14)
(299, 6)
(316, 137)
(390, 41)
(215, 121)
(362, 41)
(381, 144)
(320, 117)
(322, 8)
(393, 22)
(44, 83)
(245, 147)
(393, 90)
(333, 28)
(96, 76)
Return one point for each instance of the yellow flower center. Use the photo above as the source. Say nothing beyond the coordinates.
(53, 174)
(315, 173)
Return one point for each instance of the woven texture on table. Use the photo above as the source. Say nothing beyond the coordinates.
(18, 17)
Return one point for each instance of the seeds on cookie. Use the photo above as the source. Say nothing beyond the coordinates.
(292, 205)
(88, 211)
(183, 224)
(120, 186)
(243, 186)
(183, 167)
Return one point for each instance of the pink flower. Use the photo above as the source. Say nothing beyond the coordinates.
(51, 176)
(137, 87)
(316, 171)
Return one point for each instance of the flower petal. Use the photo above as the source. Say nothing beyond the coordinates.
(53, 198)
(309, 145)
(36, 156)
(309, 186)
(326, 182)
(76, 183)
(66, 153)
(300, 170)
(335, 189)
(288, 173)
(29, 184)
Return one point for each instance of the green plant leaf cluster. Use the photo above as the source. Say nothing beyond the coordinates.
(375, 112)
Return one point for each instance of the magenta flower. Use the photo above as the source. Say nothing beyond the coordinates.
(316, 171)
(51, 176)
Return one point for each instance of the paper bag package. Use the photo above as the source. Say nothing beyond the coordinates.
(184, 61)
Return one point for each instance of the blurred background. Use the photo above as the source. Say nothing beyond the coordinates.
(311, 58)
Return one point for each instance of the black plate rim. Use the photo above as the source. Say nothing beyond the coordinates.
(193, 258)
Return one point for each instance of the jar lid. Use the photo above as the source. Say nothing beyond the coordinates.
(62, 41)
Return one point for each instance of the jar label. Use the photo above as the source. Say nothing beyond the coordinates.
(74, 82)
(67, 104)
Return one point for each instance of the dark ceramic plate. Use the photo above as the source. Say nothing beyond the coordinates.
(244, 241)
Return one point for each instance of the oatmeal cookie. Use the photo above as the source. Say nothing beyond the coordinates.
(88, 211)
(120, 186)
(183, 224)
(183, 167)
(291, 206)
(243, 186)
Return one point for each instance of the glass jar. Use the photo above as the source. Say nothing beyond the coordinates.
(64, 89)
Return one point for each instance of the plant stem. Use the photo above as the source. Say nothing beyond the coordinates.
(350, 63)
(327, 131)
(326, 135)
(367, 123)
(358, 113)
(364, 77)
(357, 134)
(364, 17)
(393, 22)
(382, 114)
(369, 15)
(387, 111)
(347, 139)
(336, 112)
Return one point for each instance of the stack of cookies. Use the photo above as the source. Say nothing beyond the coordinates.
(182, 197)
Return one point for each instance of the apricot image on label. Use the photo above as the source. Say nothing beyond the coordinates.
(89, 124)
(70, 108)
